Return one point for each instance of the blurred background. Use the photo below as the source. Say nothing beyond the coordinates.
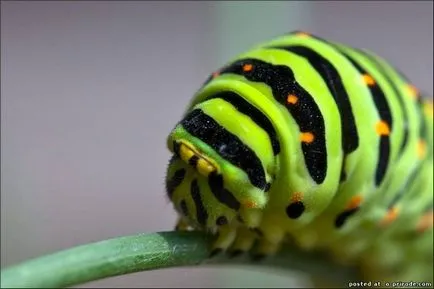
(90, 90)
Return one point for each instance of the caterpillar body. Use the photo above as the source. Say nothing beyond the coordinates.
(309, 140)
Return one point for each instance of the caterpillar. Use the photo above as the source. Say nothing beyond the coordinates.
(313, 141)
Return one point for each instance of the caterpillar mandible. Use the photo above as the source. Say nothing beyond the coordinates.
(311, 140)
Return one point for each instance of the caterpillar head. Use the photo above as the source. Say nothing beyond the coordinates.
(221, 164)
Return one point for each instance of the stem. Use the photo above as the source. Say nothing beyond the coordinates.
(142, 252)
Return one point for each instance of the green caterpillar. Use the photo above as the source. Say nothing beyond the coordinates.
(308, 140)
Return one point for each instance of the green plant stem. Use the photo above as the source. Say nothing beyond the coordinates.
(143, 252)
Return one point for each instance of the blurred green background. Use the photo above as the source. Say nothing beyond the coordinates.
(90, 89)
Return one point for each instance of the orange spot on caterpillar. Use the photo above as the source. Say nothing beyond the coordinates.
(296, 197)
(302, 34)
(215, 74)
(291, 99)
(421, 148)
(391, 215)
(247, 67)
(367, 79)
(250, 204)
(307, 137)
(354, 202)
(382, 128)
(412, 91)
(425, 222)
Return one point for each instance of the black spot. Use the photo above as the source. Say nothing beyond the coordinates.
(294, 210)
(222, 220)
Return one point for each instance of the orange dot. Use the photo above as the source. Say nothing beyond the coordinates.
(368, 79)
(215, 74)
(291, 99)
(354, 202)
(250, 205)
(382, 128)
(425, 222)
(302, 34)
(412, 91)
(421, 148)
(391, 215)
(307, 137)
(296, 197)
(247, 67)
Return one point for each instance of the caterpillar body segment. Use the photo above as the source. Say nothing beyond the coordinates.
(312, 141)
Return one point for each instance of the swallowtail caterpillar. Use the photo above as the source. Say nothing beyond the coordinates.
(309, 140)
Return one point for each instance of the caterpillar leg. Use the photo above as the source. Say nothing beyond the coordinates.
(226, 236)
(182, 225)
(270, 237)
(243, 242)
(264, 248)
